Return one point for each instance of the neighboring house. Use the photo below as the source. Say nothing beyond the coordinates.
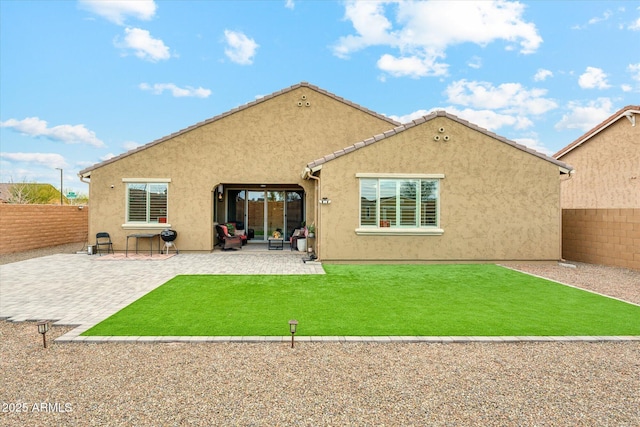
(436, 189)
(601, 201)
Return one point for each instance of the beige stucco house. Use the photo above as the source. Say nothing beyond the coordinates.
(436, 189)
(601, 201)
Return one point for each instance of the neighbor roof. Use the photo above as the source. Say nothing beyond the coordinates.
(87, 172)
(627, 112)
(317, 164)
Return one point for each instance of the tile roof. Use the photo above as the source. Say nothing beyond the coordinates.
(399, 129)
(86, 172)
(629, 109)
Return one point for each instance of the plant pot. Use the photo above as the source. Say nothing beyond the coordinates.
(302, 245)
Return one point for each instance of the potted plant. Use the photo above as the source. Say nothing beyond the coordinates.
(312, 230)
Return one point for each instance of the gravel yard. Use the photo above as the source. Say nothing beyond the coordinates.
(543, 384)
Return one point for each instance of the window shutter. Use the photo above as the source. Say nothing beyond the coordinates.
(429, 204)
(157, 202)
(368, 201)
(137, 203)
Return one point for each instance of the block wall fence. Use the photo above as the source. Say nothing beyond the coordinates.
(602, 236)
(25, 227)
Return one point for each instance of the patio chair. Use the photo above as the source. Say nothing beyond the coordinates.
(298, 233)
(226, 240)
(103, 239)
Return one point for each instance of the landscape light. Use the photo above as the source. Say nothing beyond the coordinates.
(293, 325)
(43, 327)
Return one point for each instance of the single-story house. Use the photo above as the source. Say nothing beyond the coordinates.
(601, 201)
(436, 189)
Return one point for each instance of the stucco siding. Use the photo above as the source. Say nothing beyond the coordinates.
(496, 202)
(268, 143)
(607, 170)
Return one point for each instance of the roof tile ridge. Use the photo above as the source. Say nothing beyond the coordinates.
(591, 132)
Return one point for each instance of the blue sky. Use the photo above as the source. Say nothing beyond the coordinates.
(82, 81)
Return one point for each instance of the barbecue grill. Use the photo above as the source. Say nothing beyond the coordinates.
(168, 236)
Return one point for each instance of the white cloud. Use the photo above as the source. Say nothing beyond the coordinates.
(176, 91)
(585, 117)
(289, 4)
(409, 117)
(82, 164)
(144, 46)
(486, 119)
(605, 16)
(475, 62)
(509, 97)
(107, 157)
(69, 134)
(52, 160)
(240, 48)
(635, 25)
(534, 144)
(117, 11)
(412, 66)
(542, 74)
(634, 69)
(424, 30)
(493, 107)
(490, 119)
(130, 145)
(593, 78)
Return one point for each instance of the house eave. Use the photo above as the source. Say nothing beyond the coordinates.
(629, 112)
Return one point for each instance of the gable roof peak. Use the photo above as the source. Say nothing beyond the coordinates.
(627, 112)
(316, 164)
(86, 173)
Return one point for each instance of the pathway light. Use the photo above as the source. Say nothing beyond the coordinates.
(293, 326)
(43, 327)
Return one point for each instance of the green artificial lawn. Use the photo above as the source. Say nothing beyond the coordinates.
(373, 300)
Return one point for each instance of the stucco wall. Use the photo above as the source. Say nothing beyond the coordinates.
(607, 170)
(496, 202)
(267, 143)
(25, 227)
(602, 236)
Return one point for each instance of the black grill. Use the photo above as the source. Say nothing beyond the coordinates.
(168, 235)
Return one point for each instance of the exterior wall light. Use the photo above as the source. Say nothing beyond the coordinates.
(325, 201)
(43, 327)
(293, 326)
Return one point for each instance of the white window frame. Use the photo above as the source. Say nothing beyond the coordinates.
(376, 230)
(140, 224)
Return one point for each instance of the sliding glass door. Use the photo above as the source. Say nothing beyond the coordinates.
(266, 211)
(256, 214)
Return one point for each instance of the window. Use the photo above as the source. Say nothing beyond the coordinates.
(147, 202)
(399, 205)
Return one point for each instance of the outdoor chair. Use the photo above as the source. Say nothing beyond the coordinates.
(103, 239)
(226, 240)
(298, 233)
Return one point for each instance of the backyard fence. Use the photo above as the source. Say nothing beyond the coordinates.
(602, 236)
(25, 227)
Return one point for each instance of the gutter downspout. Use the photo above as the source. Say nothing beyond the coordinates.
(316, 212)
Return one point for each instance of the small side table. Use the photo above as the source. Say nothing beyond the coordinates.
(139, 236)
(275, 244)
